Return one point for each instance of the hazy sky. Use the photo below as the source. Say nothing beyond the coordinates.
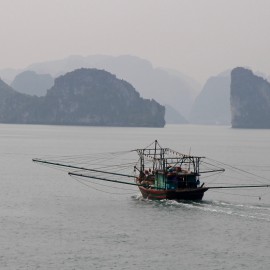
(198, 37)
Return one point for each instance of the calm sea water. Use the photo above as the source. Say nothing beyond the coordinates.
(50, 221)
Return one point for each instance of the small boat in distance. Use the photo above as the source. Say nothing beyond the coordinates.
(161, 173)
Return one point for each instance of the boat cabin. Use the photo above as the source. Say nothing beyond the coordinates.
(173, 179)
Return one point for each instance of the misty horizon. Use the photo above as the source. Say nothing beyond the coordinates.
(199, 39)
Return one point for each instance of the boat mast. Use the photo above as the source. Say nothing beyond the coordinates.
(141, 162)
(197, 165)
(155, 152)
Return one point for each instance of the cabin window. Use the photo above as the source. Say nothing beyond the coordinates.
(160, 181)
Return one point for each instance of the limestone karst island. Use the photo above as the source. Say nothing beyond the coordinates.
(82, 97)
(250, 100)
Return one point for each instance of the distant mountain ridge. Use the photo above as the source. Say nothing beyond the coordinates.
(166, 86)
(31, 83)
(212, 105)
(250, 100)
(173, 117)
(82, 97)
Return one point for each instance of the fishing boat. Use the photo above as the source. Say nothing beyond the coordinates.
(160, 174)
(173, 175)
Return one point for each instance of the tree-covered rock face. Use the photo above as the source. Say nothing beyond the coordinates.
(87, 97)
(250, 100)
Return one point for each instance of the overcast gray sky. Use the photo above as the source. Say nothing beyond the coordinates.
(198, 37)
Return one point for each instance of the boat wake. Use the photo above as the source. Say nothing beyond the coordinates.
(248, 211)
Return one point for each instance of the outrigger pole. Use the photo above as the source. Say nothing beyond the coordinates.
(105, 179)
(79, 168)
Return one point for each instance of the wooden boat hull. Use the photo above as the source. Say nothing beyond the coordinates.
(193, 194)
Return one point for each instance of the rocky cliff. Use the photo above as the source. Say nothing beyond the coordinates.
(250, 100)
(82, 97)
(95, 97)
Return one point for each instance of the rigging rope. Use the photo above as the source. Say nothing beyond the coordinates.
(241, 170)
